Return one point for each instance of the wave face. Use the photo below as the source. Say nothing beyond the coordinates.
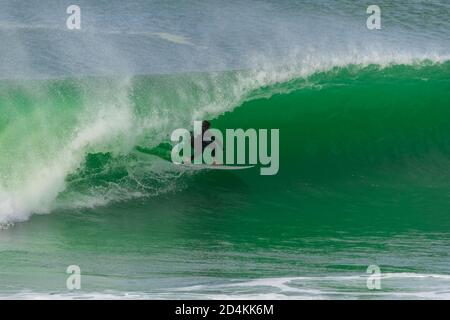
(69, 143)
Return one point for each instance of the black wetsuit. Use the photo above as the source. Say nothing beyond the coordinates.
(204, 145)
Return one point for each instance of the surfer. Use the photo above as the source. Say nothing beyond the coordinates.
(163, 150)
(206, 125)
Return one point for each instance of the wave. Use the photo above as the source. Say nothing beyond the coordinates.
(68, 143)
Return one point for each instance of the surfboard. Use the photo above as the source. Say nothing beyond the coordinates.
(213, 167)
(163, 151)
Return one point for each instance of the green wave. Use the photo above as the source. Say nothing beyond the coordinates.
(336, 122)
(74, 140)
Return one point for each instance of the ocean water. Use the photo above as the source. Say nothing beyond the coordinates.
(364, 120)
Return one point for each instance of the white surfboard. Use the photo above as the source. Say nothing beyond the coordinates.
(213, 167)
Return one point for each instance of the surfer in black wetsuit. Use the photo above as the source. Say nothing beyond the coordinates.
(205, 127)
(163, 150)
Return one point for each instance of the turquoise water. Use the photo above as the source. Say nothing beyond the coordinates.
(364, 156)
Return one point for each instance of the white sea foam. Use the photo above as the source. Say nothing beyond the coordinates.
(394, 286)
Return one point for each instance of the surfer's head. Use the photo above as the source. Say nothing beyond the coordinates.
(205, 125)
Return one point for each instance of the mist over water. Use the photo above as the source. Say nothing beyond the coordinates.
(364, 147)
(169, 36)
